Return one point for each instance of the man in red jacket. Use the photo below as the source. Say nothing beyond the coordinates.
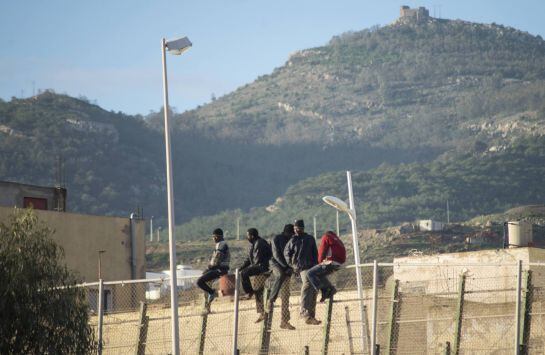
(331, 255)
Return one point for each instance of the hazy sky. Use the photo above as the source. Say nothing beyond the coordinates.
(109, 50)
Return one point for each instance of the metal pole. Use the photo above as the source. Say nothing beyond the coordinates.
(100, 314)
(518, 308)
(151, 229)
(314, 225)
(338, 229)
(235, 315)
(356, 254)
(375, 306)
(170, 198)
(448, 214)
(100, 252)
(238, 228)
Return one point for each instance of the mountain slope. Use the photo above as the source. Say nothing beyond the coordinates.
(389, 195)
(409, 85)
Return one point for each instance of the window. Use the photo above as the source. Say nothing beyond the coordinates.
(35, 202)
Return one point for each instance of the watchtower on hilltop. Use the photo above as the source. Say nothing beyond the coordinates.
(420, 14)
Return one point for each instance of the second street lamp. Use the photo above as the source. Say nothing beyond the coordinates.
(177, 47)
(350, 210)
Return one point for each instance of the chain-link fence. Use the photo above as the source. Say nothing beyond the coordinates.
(403, 308)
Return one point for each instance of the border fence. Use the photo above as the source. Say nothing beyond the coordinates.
(404, 308)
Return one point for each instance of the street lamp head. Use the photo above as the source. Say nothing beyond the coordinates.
(336, 203)
(178, 46)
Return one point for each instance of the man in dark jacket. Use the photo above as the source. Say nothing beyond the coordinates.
(282, 273)
(301, 254)
(256, 264)
(217, 267)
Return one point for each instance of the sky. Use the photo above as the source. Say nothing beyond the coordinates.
(110, 50)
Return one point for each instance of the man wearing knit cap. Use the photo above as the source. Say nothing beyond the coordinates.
(301, 254)
(217, 267)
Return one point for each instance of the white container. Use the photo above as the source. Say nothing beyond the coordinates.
(520, 234)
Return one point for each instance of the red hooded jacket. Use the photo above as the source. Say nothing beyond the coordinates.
(331, 249)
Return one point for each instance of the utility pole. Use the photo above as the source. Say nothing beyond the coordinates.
(315, 233)
(448, 214)
(338, 229)
(151, 229)
(100, 252)
(238, 228)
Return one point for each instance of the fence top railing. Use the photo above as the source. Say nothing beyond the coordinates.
(136, 281)
(434, 264)
(352, 266)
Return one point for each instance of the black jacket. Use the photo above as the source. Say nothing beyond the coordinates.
(301, 252)
(259, 253)
(278, 245)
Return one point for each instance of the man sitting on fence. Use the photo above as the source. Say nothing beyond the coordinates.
(282, 275)
(218, 266)
(301, 254)
(331, 255)
(256, 264)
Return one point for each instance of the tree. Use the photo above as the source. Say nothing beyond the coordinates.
(41, 312)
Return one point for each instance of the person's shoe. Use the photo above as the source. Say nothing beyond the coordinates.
(260, 318)
(328, 293)
(211, 297)
(247, 297)
(312, 321)
(287, 325)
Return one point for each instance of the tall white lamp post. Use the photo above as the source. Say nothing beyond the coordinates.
(340, 205)
(177, 47)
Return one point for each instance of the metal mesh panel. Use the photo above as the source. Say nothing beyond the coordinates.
(420, 308)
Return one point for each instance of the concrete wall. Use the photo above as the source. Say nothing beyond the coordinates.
(81, 236)
(491, 270)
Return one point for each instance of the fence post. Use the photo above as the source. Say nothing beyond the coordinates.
(374, 311)
(518, 307)
(142, 330)
(348, 329)
(235, 314)
(327, 325)
(204, 323)
(367, 338)
(266, 327)
(392, 326)
(100, 313)
(525, 311)
(459, 313)
(447, 348)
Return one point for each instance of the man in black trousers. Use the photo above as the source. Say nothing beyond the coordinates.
(256, 264)
(218, 266)
(301, 254)
(282, 274)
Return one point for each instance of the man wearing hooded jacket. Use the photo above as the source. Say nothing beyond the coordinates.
(282, 274)
(256, 263)
(301, 254)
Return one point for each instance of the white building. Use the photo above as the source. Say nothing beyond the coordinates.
(430, 225)
(187, 277)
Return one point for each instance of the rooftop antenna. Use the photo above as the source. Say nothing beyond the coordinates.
(33, 88)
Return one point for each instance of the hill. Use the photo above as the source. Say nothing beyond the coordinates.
(403, 93)
(440, 83)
